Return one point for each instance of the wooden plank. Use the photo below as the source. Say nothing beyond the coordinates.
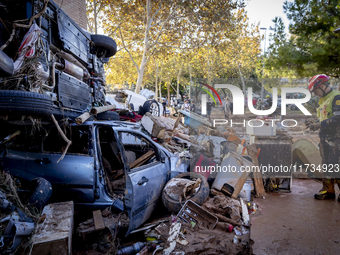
(234, 139)
(239, 184)
(177, 122)
(258, 181)
(142, 159)
(98, 220)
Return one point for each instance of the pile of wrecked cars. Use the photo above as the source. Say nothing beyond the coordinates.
(51, 73)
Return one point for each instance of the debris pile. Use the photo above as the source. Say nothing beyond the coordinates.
(17, 218)
(176, 137)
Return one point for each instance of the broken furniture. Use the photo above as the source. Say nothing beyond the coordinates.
(275, 155)
(192, 212)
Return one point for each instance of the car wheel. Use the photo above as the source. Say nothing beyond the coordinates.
(17, 102)
(152, 107)
(108, 116)
(199, 197)
(41, 192)
(103, 42)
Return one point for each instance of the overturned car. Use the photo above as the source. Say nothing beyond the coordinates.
(48, 64)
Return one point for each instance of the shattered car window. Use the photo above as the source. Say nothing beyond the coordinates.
(47, 139)
(129, 138)
(23, 138)
(79, 137)
(138, 150)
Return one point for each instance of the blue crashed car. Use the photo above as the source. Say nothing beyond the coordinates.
(108, 162)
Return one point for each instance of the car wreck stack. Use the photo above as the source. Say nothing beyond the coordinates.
(50, 83)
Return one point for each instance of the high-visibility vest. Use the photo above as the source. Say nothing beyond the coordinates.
(325, 110)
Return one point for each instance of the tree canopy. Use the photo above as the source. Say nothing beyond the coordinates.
(172, 43)
(312, 46)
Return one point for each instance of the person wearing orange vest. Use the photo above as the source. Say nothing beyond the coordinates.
(328, 114)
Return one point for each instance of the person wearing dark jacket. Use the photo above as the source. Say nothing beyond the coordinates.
(209, 106)
(164, 107)
(329, 124)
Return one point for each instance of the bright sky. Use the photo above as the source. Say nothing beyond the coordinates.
(264, 11)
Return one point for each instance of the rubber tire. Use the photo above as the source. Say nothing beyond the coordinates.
(107, 116)
(199, 198)
(147, 105)
(41, 192)
(17, 102)
(103, 41)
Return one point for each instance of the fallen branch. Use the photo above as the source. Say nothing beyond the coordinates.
(63, 136)
(100, 109)
(82, 118)
(95, 110)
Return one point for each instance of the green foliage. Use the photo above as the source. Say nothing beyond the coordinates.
(312, 47)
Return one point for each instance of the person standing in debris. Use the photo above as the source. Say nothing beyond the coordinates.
(254, 102)
(227, 107)
(186, 106)
(231, 105)
(329, 124)
(164, 107)
(209, 106)
(269, 101)
(172, 105)
(193, 106)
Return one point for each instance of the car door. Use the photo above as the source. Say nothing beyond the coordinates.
(144, 183)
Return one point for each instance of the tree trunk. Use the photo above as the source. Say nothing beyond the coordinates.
(95, 16)
(209, 68)
(160, 88)
(141, 73)
(179, 74)
(190, 82)
(146, 47)
(242, 79)
(156, 86)
(169, 91)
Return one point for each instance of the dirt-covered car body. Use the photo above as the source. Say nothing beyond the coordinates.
(43, 51)
(106, 160)
(140, 104)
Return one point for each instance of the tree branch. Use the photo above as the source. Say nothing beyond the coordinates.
(134, 62)
(114, 31)
(154, 15)
(160, 32)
